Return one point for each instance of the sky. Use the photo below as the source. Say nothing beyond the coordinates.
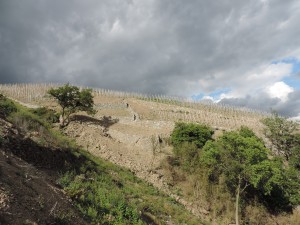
(237, 52)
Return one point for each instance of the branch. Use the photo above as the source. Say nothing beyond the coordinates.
(246, 185)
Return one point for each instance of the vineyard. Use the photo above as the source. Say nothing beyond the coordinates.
(149, 107)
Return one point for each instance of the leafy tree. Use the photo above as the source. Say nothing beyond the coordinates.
(71, 100)
(189, 132)
(278, 185)
(243, 159)
(280, 132)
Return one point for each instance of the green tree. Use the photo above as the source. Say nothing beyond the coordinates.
(237, 155)
(197, 134)
(279, 185)
(71, 100)
(280, 132)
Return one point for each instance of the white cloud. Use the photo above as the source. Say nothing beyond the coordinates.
(296, 118)
(207, 97)
(258, 81)
(279, 90)
(270, 73)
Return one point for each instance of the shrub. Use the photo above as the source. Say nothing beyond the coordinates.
(197, 134)
(188, 155)
(6, 106)
(26, 121)
(49, 115)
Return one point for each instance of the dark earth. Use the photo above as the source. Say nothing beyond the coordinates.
(29, 193)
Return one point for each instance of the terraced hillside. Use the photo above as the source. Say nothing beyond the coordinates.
(132, 130)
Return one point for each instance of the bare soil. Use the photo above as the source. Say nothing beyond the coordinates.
(28, 190)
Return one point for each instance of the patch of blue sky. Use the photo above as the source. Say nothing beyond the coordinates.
(215, 95)
(197, 96)
(294, 79)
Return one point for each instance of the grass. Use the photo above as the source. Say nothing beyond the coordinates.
(111, 194)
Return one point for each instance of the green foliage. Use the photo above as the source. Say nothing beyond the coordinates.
(187, 139)
(247, 132)
(192, 133)
(233, 154)
(187, 154)
(6, 106)
(71, 100)
(47, 114)
(107, 194)
(244, 161)
(27, 121)
(295, 158)
(280, 132)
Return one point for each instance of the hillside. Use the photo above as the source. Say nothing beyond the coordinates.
(133, 131)
(29, 193)
(47, 179)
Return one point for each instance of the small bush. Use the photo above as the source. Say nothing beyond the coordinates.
(187, 139)
(6, 106)
(26, 121)
(49, 115)
(188, 155)
(193, 133)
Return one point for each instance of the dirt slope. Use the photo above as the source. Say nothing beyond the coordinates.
(28, 191)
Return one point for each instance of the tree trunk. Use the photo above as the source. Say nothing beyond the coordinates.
(62, 118)
(237, 199)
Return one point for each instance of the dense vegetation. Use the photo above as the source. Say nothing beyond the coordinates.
(103, 192)
(239, 163)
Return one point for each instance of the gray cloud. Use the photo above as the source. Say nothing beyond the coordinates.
(164, 47)
(263, 102)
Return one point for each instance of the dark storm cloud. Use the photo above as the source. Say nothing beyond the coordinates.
(166, 47)
(262, 102)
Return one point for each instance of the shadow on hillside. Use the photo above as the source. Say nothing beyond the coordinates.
(105, 121)
(55, 159)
